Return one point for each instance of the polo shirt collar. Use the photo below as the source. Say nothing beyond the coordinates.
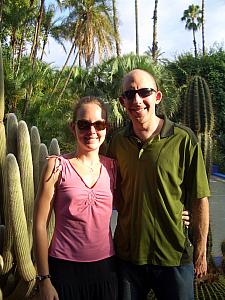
(167, 129)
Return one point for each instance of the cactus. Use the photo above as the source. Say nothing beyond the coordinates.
(2, 161)
(43, 153)
(10, 284)
(23, 290)
(211, 289)
(223, 253)
(21, 161)
(11, 132)
(35, 148)
(2, 100)
(1, 263)
(26, 172)
(19, 224)
(2, 133)
(54, 147)
(2, 234)
(199, 116)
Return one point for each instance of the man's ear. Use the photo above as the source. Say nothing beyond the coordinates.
(158, 97)
(121, 99)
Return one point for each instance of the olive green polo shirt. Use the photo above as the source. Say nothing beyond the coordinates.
(156, 181)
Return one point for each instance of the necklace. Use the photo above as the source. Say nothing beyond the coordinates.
(92, 167)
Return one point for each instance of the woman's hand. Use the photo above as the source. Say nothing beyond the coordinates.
(47, 290)
(186, 217)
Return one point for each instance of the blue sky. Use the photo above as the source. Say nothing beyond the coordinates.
(173, 39)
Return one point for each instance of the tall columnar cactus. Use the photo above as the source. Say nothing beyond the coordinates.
(2, 102)
(43, 153)
(23, 290)
(25, 163)
(223, 258)
(2, 133)
(2, 161)
(35, 148)
(19, 224)
(199, 115)
(11, 132)
(54, 147)
(17, 175)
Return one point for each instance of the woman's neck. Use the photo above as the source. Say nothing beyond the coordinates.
(90, 157)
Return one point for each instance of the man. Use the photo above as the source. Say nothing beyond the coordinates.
(161, 172)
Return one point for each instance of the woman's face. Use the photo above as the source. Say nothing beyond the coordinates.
(89, 128)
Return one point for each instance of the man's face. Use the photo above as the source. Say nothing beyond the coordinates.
(140, 105)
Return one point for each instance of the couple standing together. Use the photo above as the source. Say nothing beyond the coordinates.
(155, 171)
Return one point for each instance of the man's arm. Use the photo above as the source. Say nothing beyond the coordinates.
(200, 228)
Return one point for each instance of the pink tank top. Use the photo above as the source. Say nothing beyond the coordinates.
(82, 214)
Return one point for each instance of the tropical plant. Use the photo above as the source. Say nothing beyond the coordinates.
(211, 67)
(193, 19)
(90, 26)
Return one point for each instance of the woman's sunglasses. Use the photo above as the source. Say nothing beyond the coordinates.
(86, 125)
(143, 93)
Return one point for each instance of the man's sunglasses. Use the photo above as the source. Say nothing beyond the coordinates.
(86, 125)
(143, 93)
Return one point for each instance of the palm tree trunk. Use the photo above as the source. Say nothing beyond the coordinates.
(21, 44)
(115, 24)
(154, 42)
(65, 64)
(136, 24)
(33, 53)
(1, 8)
(43, 47)
(13, 46)
(203, 27)
(194, 42)
(68, 78)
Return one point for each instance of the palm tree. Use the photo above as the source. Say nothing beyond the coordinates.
(157, 54)
(13, 28)
(92, 28)
(136, 24)
(48, 26)
(193, 19)
(155, 43)
(34, 48)
(203, 27)
(115, 25)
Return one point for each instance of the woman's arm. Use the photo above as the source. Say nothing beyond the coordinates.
(42, 213)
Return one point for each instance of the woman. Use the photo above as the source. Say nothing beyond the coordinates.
(79, 263)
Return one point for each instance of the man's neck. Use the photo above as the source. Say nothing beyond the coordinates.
(148, 130)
